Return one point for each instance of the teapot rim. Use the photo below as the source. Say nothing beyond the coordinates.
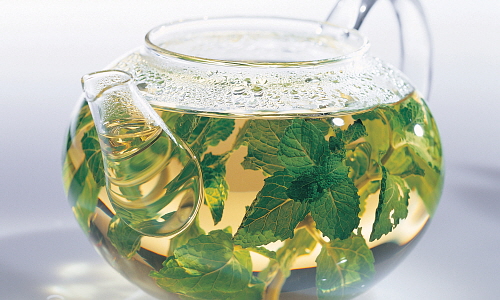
(359, 51)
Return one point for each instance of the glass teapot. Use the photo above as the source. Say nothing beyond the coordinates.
(254, 158)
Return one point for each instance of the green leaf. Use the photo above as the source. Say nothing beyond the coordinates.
(344, 267)
(210, 267)
(336, 213)
(83, 195)
(409, 148)
(412, 112)
(84, 119)
(337, 146)
(315, 181)
(186, 125)
(311, 185)
(403, 163)
(322, 124)
(308, 187)
(216, 187)
(199, 132)
(367, 189)
(262, 138)
(353, 132)
(125, 239)
(359, 160)
(93, 156)
(378, 131)
(272, 215)
(193, 231)
(302, 146)
(392, 206)
(302, 243)
(220, 130)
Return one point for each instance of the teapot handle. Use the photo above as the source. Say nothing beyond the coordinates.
(414, 35)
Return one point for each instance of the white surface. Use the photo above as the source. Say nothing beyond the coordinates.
(45, 47)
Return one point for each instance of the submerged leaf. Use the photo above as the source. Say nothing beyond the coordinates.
(343, 268)
(214, 181)
(83, 195)
(302, 146)
(262, 138)
(201, 132)
(392, 206)
(125, 239)
(336, 213)
(303, 243)
(210, 267)
(93, 156)
(273, 215)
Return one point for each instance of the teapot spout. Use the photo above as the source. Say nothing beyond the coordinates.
(153, 180)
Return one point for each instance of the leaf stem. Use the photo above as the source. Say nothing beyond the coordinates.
(273, 291)
(315, 233)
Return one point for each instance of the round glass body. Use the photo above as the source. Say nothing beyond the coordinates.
(321, 165)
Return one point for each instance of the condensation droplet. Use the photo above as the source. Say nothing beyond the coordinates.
(312, 80)
(238, 90)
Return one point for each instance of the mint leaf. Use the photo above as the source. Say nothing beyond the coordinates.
(93, 156)
(370, 187)
(315, 180)
(344, 268)
(125, 239)
(308, 187)
(84, 119)
(302, 146)
(403, 163)
(214, 180)
(412, 112)
(83, 194)
(301, 244)
(405, 140)
(392, 206)
(220, 129)
(342, 138)
(199, 132)
(361, 163)
(262, 138)
(280, 265)
(189, 127)
(210, 267)
(336, 212)
(192, 231)
(322, 124)
(272, 215)
(353, 132)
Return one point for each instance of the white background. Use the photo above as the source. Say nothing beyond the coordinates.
(46, 46)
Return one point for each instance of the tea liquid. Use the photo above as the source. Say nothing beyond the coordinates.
(310, 205)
